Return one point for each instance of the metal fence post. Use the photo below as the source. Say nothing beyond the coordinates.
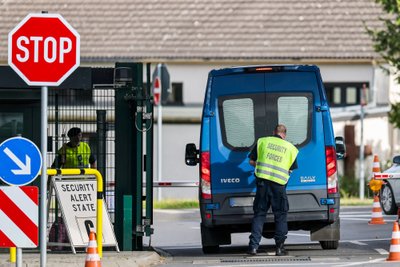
(101, 143)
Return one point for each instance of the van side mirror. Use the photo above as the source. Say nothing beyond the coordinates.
(340, 147)
(396, 160)
(191, 155)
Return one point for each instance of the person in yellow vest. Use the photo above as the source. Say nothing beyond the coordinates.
(273, 158)
(75, 153)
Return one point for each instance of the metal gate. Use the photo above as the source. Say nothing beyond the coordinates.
(87, 100)
(93, 112)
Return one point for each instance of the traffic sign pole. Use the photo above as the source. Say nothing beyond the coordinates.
(43, 179)
(43, 49)
(19, 257)
(159, 137)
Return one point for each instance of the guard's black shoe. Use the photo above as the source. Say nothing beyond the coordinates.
(252, 251)
(280, 250)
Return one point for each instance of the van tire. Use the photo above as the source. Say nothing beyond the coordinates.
(210, 249)
(213, 237)
(331, 244)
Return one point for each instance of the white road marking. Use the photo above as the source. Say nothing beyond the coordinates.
(362, 263)
(176, 211)
(273, 264)
(354, 212)
(365, 240)
(297, 234)
(382, 251)
(355, 219)
(358, 243)
(351, 216)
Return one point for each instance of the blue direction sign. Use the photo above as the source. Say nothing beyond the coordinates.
(20, 161)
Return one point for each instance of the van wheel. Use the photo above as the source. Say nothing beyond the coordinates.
(210, 249)
(331, 244)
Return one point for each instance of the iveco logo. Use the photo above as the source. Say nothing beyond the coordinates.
(230, 180)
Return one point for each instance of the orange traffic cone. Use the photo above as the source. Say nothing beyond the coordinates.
(375, 165)
(92, 256)
(375, 185)
(394, 253)
(376, 217)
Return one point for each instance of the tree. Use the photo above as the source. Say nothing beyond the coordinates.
(387, 44)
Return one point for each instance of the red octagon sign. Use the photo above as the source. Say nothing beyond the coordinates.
(44, 49)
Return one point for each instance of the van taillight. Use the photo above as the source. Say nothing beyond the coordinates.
(205, 179)
(331, 169)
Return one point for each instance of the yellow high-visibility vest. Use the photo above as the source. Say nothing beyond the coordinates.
(275, 156)
(75, 157)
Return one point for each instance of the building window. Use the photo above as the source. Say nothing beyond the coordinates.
(346, 94)
(175, 98)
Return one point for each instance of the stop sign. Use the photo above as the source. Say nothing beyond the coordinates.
(44, 49)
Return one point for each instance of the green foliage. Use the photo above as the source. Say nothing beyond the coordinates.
(356, 202)
(348, 187)
(387, 44)
(387, 39)
(394, 115)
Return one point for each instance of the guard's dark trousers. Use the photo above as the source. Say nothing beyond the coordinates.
(269, 194)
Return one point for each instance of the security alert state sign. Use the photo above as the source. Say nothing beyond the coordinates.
(77, 200)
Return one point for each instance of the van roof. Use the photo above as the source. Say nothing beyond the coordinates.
(264, 68)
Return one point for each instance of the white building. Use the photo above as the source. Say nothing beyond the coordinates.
(193, 37)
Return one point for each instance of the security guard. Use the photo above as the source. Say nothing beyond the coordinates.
(75, 153)
(273, 158)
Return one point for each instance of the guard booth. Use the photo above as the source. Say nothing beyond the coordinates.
(113, 110)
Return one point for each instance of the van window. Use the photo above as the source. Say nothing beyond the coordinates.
(238, 116)
(293, 111)
(245, 118)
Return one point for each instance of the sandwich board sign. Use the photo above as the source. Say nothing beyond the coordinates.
(77, 199)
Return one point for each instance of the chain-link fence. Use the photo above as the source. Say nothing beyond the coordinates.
(93, 112)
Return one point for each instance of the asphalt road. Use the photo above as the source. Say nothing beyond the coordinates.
(177, 237)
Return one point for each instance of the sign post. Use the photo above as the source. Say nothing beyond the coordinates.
(363, 103)
(43, 49)
(20, 163)
(161, 89)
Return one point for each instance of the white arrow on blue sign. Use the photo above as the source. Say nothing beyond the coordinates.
(20, 161)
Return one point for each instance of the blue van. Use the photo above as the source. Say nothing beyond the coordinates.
(242, 104)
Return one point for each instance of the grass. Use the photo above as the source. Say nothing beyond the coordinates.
(176, 204)
(192, 203)
(356, 202)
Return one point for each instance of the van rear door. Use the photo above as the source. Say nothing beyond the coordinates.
(236, 100)
(246, 105)
(292, 99)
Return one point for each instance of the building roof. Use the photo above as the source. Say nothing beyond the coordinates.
(209, 30)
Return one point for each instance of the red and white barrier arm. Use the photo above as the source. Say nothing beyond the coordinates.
(382, 175)
(167, 184)
(175, 184)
